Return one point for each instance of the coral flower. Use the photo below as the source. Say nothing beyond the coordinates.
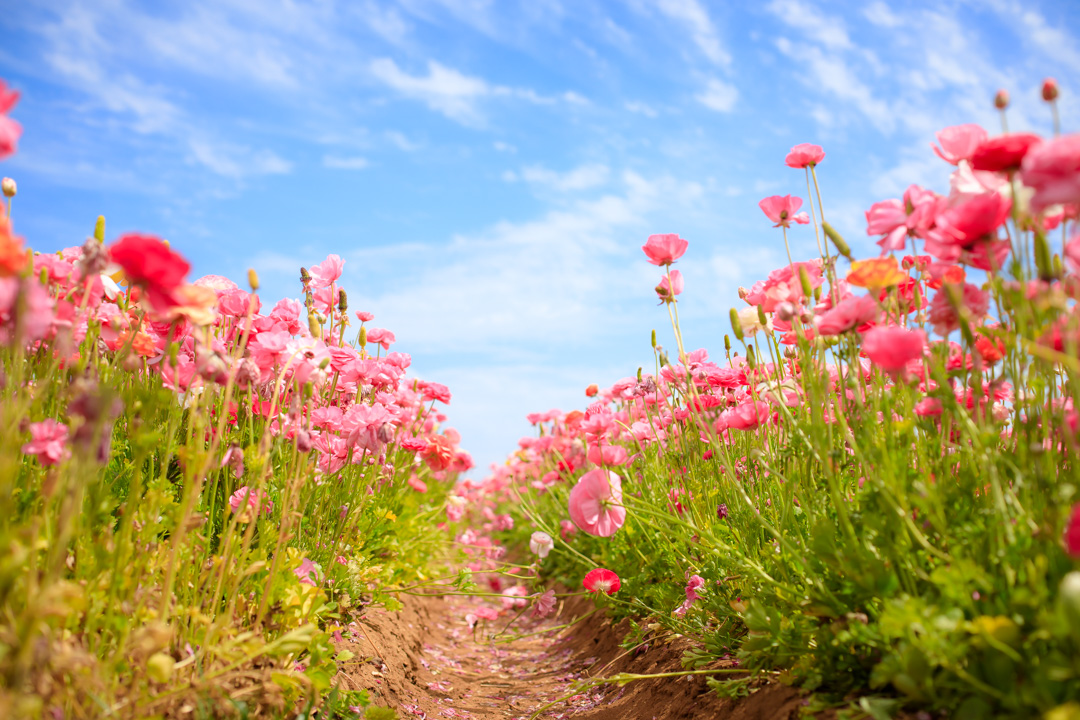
(782, 209)
(148, 262)
(876, 274)
(891, 348)
(1072, 533)
(1052, 170)
(601, 580)
(664, 249)
(596, 503)
(13, 256)
(804, 155)
(959, 142)
(48, 442)
(1003, 153)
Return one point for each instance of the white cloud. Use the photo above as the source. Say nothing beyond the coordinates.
(881, 15)
(641, 108)
(401, 141)
(345, 163)
(504, 147)
(694, 18)
(584, 177)
(829, 31)
(237, 161)
(718, 95)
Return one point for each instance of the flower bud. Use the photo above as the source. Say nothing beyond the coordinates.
(362, 339)
(841, 246)
(785, 311)
(804, 281)
(736, 324)
(727, 342)
(8, 186)
(1049, 90)
(1001, 100)
(305, 276)
(313, 325)
(385, 433)
(761, 317)
(342, 302)
(1069, 600)
(743, 293)
(654, 339)
(99, 229)
(253, 279)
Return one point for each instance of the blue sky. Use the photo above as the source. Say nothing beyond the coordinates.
(490, 168)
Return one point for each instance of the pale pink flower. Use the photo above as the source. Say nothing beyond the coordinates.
(1052, 170)
(602, 580)
(892, 347)
(308, 572)
(596, 503)
(946, 319)
(664, 249)
(541, 544)
(514, 597)
(567, 529)
(667, 291)
(327, 272)
(804, 155)
(849, 313)
(379, 336)
(364, 316)
(543, 605)
(48, 441)
(784, 210)
(959, 142)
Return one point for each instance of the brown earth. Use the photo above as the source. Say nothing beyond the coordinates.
(425, 662)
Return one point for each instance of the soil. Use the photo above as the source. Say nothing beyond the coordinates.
(426, 662)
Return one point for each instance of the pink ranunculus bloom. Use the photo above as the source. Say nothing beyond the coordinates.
(379, 336)
(514, 597)
(308, 572)
(946, 319)
(541, 544)
(567, 529)
(695, 583)
(664, 249)
(543, 604)
(667, 291)
(804, 155)
(596, 503)
(245, 502)
(48, 441)
(327, 272)
(1072, 533)
(928, 407)
(746, 415)
(1052, 170)
(892, 347)
(601, 580)
(966, 225)
(784, 210)
(1003, 153)
(959, 142)
(1072, 253)
(364, 316)
(10, 131)
(849, 313)
(896, 219)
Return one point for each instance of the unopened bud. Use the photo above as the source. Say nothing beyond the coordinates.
(9, 187)
(736, 324)
(743, 293)
(785, 311)
(639, 374)
(1001, 99)
(1049, 90)
(751, 359)
(653, 341)
(303, 441)
(804, 281)
(305, 276)
(253, 279)
(313, 325)
(1043, 262)
(167, 244)
(761, 317)
(727, 343)
(362, 339)
(160, 667)
(385, 433)
(99, 229)
(841, 246)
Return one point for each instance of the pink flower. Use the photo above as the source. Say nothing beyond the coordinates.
(308, 572)
(541, 544)
(945, 318)
(892, 347)
(746, 416)
(968, 231)
(1072, 533)
(567, 529)
(1052, 170)
(849, 313)
(48, 439)
(664, 249)
(1003, 153)
(327, 272)
(601, 580)
(695, 583)
(959, 142)
(782, 209)
(9, 129)
(666, 291)
(596, 503)
(245, 502)
(381, 337)
(896, 219)
(1072, 253)
(543, 605)
(804, 155)
(514, 597)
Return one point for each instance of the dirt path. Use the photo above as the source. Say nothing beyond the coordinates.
(426, 662)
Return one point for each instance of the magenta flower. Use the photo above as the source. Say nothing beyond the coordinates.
(892, 348)
(596, 503)
(782, 209)
(804, 155)
(959, 142)
(745, 416)
(664, 249)
(1072, 533)
(695, 583)
(245, 502)
(1052, 170)
(601, 580)
(48, 441)
(9, 129)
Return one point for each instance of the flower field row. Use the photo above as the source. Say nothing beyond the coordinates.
(872, 490)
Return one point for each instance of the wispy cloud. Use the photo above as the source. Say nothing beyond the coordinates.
(237, 161)
(584, 177)
(718, 95)
(828, 30)
(345, 163)
(693, 17)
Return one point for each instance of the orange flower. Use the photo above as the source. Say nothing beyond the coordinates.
(142, 343)
(876, 274)
(13, 257)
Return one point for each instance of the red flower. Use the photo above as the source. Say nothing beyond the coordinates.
(1004, 152)
(147, 261)
(601, 580)
(1072, 537)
